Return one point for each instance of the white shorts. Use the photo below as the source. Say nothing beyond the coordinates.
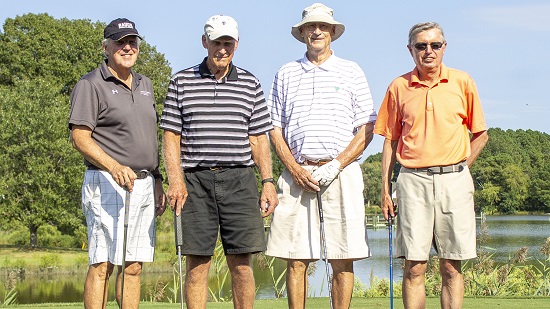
(295, 229)
(438, 209)
(103, 205)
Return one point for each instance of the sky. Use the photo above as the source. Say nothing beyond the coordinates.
(504, 45)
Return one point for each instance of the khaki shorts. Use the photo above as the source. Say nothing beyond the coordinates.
(103, 205)
(295, 229)
(438, 207)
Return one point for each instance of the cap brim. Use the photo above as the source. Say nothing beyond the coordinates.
(117, 37)
(340, 28)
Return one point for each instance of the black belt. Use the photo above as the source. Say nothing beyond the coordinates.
(140, 174)
(455, 168)
(211, 168)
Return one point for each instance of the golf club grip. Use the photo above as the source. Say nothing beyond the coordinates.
(178, 230)
(320, 204)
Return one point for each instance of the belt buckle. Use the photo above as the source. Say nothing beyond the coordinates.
(215, 168)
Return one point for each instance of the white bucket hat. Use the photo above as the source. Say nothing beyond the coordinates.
(318, 13)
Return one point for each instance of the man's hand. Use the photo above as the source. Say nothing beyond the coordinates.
(327, 173)
(177, 195)
(388, 207)
(303, 178)
(124, 176)
(268, 200)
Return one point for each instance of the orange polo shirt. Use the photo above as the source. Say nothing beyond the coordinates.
(431, 123)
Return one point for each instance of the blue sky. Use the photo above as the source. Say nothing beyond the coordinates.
(503, 45)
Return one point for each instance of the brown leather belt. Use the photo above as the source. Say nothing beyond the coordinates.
(316, 162)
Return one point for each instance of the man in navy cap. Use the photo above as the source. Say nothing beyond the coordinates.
(113, 125)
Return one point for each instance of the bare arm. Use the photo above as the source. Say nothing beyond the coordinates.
(82, 141)
(358, 144)
(262, 158)
(301, 176)
(177, 191)
(477, 143)
(388, 162)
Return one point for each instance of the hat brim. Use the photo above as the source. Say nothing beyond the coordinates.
(117, 37)
(340, 28)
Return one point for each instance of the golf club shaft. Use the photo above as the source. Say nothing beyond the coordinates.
(125, 240)
(324, 245)
(179, 243)
(390, 225)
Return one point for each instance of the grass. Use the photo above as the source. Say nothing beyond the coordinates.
(474, 303)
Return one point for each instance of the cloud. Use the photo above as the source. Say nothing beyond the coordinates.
(532, 17)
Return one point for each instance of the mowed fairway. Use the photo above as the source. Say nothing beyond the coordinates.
(473, 303)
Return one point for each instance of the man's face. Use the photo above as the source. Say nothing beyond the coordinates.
(317, 35)
(123, 53)
(427, 50)
(220, 51)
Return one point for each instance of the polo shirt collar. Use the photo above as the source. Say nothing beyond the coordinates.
(107, 75)
(444, 75)
(329, 64)
(204, 71)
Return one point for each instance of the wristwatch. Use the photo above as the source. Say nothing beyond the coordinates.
(268, 180)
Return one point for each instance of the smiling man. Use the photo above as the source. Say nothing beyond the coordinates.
(323, 114)
(434, 127)
(215, 121)
(113, 124)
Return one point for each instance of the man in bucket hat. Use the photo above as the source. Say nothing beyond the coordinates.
(113, 125)
(215, 121)
(323, 116)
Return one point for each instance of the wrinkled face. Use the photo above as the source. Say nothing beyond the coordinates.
(123, 53)
(317, 35)
(220, 51)
(427, 50)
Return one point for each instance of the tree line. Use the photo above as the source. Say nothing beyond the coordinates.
(42, 58)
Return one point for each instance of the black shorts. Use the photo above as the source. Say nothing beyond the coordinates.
(225, 199)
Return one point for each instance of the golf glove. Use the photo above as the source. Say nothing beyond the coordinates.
(326, 173)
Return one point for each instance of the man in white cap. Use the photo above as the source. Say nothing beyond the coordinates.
(215, 121)
(323, 114)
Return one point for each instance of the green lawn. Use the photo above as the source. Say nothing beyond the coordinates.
(474, 303)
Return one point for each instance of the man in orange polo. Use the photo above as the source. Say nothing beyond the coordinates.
(426, 118)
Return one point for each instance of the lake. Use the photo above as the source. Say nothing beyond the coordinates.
(506, 234)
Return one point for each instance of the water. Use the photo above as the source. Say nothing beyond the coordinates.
(506, 234)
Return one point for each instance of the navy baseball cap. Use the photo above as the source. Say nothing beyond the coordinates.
(120, 28)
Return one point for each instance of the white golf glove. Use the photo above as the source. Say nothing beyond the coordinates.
(326, 173)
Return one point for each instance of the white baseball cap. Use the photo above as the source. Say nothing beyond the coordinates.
(221, 25)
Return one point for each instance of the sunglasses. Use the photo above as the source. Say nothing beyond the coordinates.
(433, 45)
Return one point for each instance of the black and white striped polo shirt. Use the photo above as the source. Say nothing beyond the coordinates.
(215, 117)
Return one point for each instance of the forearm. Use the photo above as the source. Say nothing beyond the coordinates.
(357, 145)
(82, 141)
(388, 162)
(477, 143)
(261, 154)
(172, 156)
(282, 149)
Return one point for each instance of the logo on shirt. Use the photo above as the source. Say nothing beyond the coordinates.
(145, 93)
(114, 91)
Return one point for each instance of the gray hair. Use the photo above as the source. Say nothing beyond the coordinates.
(416, 29)
(108, 41)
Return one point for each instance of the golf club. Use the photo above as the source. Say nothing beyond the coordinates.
(126, 215)
(179, 244)
(324, 245)
(390, 227)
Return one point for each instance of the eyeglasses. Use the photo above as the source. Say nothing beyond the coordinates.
(433, 45)
(311, 27)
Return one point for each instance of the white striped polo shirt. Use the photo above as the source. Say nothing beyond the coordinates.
(214, 117)
(320, 108)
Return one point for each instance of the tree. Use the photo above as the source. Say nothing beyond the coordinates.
(42, 58)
